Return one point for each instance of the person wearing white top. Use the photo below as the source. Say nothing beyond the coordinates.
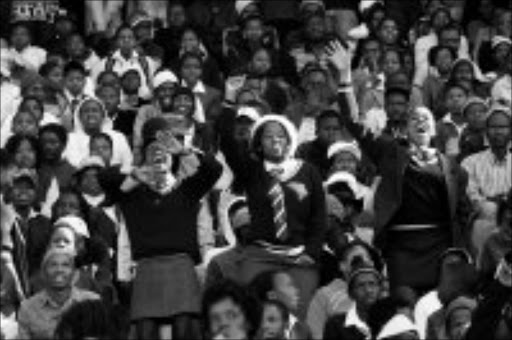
(23, 54)
(90, 118)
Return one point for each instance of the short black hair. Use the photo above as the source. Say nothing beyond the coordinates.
(453, 84)
(450, 27)
(328, 114)
(74, 66)
(102, 135)
(14, 142)
(397, 90)
(47, 67)
(191, 54)
(57, 129)
(21, 24)
(434, 51)
(29, 98)
(285, 313)
(122, 28)
(228, 289)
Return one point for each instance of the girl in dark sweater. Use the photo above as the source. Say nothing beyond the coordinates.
(160, 202)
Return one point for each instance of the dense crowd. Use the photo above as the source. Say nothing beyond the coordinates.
(256, 169)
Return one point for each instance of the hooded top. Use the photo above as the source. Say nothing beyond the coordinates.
(77, 147)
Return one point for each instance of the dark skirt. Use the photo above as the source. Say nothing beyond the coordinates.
(412, 257)
(165, 286)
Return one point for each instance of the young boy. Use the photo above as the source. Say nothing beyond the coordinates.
(74, 90)
(122, 120)
(274, 320)
(472, 139)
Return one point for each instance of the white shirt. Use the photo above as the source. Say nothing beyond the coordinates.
(486, 176)
(353, 319)
(31, 57)
(199, 88)
(427, 305)
(9, 94)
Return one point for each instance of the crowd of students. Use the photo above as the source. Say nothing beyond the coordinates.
(250, 169)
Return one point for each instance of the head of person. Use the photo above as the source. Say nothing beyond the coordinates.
(344, 157)
(317, 85)
(184, 102)
(52, 141)
(463, 72)
(108, 78)
(329, 127)
(499, 127)
(176, 14)
(342, 186)
(74, 77)
(75, 46)
(388, 31)
(458, 316)
(91, 115)
(23, 193)
(125, 40)
(246, 117)
(396, 104)
(246, 8)
(131, 82)
(246, 95)
(277, 285)
(57, 56)
(142, 25)
(374, 15)
(261, 61)
(229, 311)
(253, 28)
(69, 203)
(239, 218)
(440, 18)
(110, 96)
(450, 36)
(25, 123)
(274, 320)
(421, 127)
(65, 24)
(504, 22)
(501, 52)
(455, 97)
(475, 113)
(191, 67)
(58, 269)
(165, 83)
(399, 79)
(33, 85)
(315, 27)
(88, 319)
(53, 73)
(24, 150)
(442, 58)
(33, 105)
(87, 176)
(102, 145)
(190, 40)
(21, 36)
(69, 233)
(392, 61)
(274, 138)
(371, 51)
(364, 285)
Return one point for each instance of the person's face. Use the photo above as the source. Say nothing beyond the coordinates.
(74, 82)
(463, 73)
(504, 24)
(316, 82)
(23, 193)
(253, 30)
(329, 131)
(190, 41)
(365, 289)
(245, 97)
(261, 62)
(345, 161)
(183, 105)
(377, 18)
(396, 107)
(91, 116)
(502, 54)
(34, 107)
(126, 41)
(273, 325)
(389, 32)
(68, 204)
(450, 38)
(102, 148)
(25, 156)
(391, 63)
(36, 90)
(108, 79)
(227, 319)
(56, 78)
(89, 183)
(20, 37)
(24, 123)
(444, 61)
(110, 98)
(475, 116)
(440, 20)
(399, 80)
(274, 142)
(131, 83)
(459, 322)
(242, 130)
(176, 16)
(286, 291)
(499, 130)
(191, 70)
(371, 51)
(164, 95)
(76, 46)
(420, 127)
(63, 238)
(315, 28)
(455, 99)
(59, 271)
(51, 146)
(144, 31)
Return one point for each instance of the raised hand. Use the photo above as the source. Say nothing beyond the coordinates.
(171, 144)
(338, 55)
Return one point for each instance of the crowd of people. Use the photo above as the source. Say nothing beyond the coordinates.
(256, 169)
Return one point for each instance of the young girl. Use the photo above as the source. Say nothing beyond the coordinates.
(24, 150)
(23, 123)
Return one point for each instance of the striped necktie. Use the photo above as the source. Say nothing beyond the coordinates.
(276, 196)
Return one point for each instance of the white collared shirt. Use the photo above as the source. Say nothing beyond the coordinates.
(449, 120)
(353, 319)
(31, 57)
(292, 320)
(427, 305)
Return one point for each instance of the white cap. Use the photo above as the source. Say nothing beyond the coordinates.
(91, 161)
(74, 222)
(397, 325)
(351, 147)
(347, 178)
(241, 5)
(499, 39)
(164, 76)
(249, 112)
(290, 129)
(367, 4)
